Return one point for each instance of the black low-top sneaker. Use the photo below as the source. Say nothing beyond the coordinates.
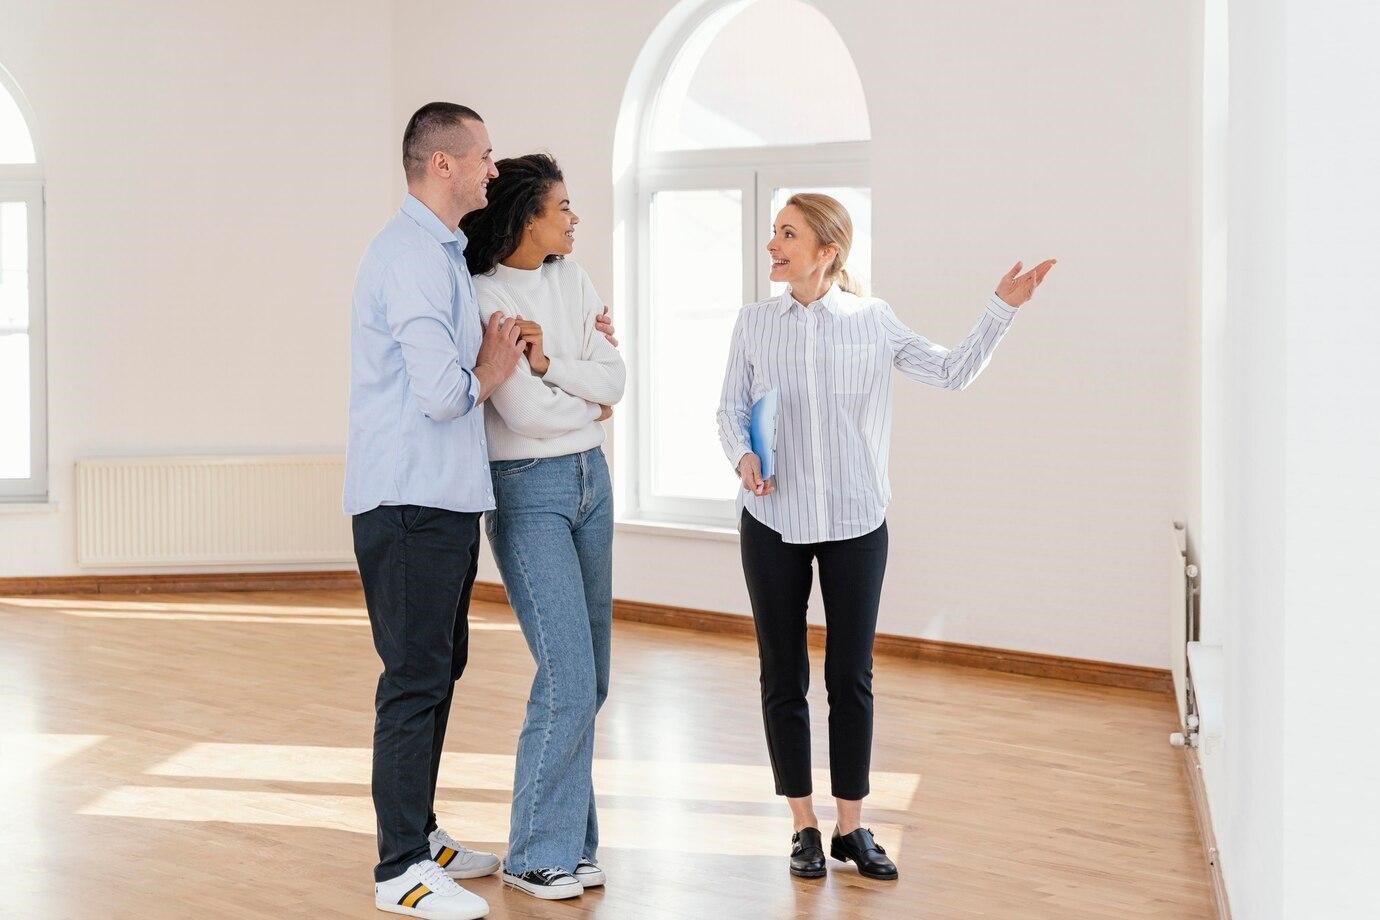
(547, 884)
(860, 847)
(807, 853)
(590, 873)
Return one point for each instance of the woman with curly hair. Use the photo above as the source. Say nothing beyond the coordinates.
(552, 531)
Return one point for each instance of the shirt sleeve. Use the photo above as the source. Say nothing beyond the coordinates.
(735, 403)
(920, 359)
(598, 374)
(527, 404)
(417, 294)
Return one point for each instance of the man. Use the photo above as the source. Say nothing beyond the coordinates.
(416, 483)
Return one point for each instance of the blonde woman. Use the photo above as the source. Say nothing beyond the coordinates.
(829, 352)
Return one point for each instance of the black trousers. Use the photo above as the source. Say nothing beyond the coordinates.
(418, 566)
(779, 578)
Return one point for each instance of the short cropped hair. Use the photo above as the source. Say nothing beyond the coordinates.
(426, 130)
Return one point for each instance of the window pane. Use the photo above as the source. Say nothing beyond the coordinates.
(696, 292)
(14, 267)
(738, 82)
(14, 406)
(14, 343)
(858, 203)
(15, 144)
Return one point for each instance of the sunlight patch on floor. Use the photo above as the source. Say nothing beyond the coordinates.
(671, 829)
(672, 780)
(26, 754)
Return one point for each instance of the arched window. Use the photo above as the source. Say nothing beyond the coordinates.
(23, 413)
(737, 105)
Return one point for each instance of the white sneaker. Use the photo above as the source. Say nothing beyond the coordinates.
(458, 860)
(547, 884)
(589, 873)
(425, 890)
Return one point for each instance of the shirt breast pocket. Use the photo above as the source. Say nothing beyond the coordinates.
(855, 369)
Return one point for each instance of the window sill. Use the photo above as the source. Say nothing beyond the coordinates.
(676, 529)
(29, 507)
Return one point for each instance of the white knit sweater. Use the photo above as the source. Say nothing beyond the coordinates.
(555, 413)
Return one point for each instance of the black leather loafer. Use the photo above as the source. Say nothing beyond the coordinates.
(867, 853)
(807, 853)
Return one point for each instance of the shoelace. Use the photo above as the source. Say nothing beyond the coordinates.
(447, 840)
(549, 875)
(435, 878)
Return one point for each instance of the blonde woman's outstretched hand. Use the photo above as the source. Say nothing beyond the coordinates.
(1015, 289)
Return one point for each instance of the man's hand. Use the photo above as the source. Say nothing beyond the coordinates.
(750, 472)
(529, 332)
(498, 353)
(603, 323)
(1015, 290)
(605, 412)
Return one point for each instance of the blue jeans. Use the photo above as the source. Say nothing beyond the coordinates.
(552, 536)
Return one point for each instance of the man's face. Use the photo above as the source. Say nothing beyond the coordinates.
(473, 169)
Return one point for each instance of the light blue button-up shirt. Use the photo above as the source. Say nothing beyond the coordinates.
(416, 426)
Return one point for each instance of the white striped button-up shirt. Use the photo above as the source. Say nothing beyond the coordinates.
(831, 362)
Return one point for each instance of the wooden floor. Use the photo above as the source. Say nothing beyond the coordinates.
(208, 756)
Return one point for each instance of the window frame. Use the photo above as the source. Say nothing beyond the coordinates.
(24, 182)
(648, 505)
(756, 172)
(14, 187)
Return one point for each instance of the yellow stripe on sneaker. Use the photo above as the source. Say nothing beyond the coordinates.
(445, 857)
(416, 894)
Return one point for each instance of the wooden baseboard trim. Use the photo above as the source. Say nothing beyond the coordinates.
(1197, 790)
(490, 591)
(180, 583)
(1032, 664)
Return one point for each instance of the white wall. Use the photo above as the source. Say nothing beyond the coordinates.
(1244, 528)
(1332, 461)
(1030, 512)
(1291, 539)
(213, 171)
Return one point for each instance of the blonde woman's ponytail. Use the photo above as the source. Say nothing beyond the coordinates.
(830, 221)
(847, 283)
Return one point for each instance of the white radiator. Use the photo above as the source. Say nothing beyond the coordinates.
(183, 511)
(1179, 627)
(1196, 667)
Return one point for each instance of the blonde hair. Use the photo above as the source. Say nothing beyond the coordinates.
(831, 223)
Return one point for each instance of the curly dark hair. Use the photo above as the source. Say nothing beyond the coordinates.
(515, 197)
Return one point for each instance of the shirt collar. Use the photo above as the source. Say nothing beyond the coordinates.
(830, 300)
(428, 221)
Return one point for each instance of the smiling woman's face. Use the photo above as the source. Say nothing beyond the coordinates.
(794, 248)
(553, 230)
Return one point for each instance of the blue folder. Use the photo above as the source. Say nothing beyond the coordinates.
(762, 431)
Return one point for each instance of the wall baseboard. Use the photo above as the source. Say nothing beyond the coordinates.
(181, 583)
(1032, 664)
(1197, 791)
